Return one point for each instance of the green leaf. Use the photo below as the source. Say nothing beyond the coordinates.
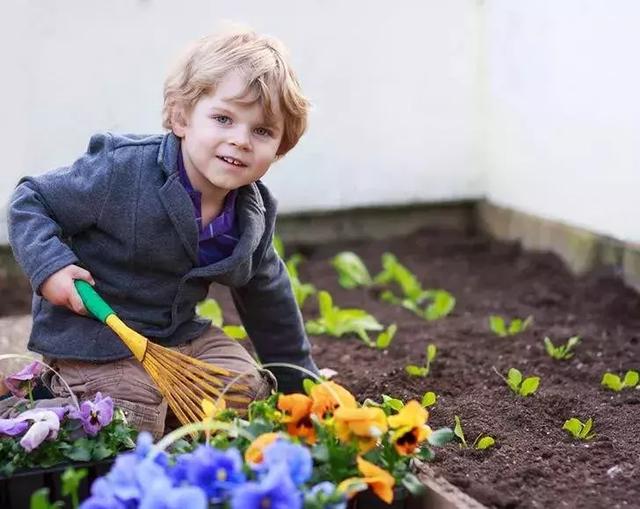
(514, 378)
(414, 370)
(631, 378)
(441, 437)
(40, 500)
(443, 303)
(210, 310)
(80, 450)
(393, 403)
(278, 245)
(352, 271)
(573, 341)
(429, 399)
(611, 381)
(325, 303)
(307, 385)
(413, 484)
(586, 428)
(550, 348)
(431, 352)
(71, 480)
(485, 443)
(573, 426)
(301, 291)
(527, 322)
(384, 338)
(515, 327)
(529, 385)
(314, 327)
(497, 325)
(457, 430)
(235, 331)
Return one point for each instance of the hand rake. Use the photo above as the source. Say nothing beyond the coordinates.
(183, 381)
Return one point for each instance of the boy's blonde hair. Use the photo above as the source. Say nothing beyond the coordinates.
(261, 58)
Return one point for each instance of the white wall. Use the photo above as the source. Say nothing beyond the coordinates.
(393, 89)
(534, 104)
(562, 111)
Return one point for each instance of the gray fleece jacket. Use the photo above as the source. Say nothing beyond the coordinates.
(121, 212)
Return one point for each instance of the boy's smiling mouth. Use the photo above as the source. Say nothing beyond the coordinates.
(232, 160)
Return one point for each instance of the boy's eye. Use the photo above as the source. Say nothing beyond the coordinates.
(263, 131)
(222, 119)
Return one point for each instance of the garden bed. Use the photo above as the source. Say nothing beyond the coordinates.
(535, 463)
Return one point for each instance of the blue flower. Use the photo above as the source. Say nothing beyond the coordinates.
(216, 472)
(163, 495)
(276, 491)
(326, 496)
(296, 459)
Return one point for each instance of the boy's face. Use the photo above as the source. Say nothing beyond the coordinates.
(227, 143)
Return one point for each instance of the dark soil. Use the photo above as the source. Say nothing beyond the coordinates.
(535, 464)
(15, 293)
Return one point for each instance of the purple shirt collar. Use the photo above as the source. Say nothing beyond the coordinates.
(224, 222)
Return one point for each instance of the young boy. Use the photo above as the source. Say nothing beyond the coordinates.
(152, 221)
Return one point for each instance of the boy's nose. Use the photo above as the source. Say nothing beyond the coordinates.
(240, 138)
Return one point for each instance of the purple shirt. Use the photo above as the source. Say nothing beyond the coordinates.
(217, 239)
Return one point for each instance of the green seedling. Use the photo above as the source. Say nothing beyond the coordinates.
(389, 404)
(211, 310)
(579, 430)
(480, 443)
(423, 371)
(562, 352)
(352, 272)
(385, 337)
(520, 386)
(613, 381)
(301, 291)
(337, 322)
(429, 399)
(414, 297)
(499, 325)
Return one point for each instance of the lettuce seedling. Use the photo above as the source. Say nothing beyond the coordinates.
(352, 272)
(384, 338)
(613, 381)
(429, 399)
(210, 309)
(301, 291)
(479, 443)
(414, 297)
(562, 352)
(423, 371)
(579, 430)
(337, 322)
(499, 326)
(520, 386)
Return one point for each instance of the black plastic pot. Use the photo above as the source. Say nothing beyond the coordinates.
(16, 491)
(402, 500)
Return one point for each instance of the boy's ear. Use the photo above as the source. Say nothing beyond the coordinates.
(178, 121)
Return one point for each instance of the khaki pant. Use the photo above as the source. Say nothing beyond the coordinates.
(132, 389)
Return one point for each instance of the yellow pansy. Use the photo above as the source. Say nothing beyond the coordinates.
(410, 428)
(365, 424)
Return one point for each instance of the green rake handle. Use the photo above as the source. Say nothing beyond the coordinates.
(92, 301)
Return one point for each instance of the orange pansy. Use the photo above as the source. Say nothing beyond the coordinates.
(378, 480)
(365, 424)
(327, 396)
(253, 454)
(297, 416)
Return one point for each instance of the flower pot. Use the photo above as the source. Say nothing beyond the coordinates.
(16, 491)
(401, 500)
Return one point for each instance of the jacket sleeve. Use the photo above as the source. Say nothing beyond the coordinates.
(48, 209)
(270, 314)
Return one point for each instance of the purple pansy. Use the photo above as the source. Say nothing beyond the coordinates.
(46, 424)
(95, 414)
(275, 490)
(12, 427)
(21, 383)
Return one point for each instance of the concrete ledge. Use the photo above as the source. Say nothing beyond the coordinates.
(580, 249)
(374, 222)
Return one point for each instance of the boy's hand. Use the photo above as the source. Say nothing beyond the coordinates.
(60, 290)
